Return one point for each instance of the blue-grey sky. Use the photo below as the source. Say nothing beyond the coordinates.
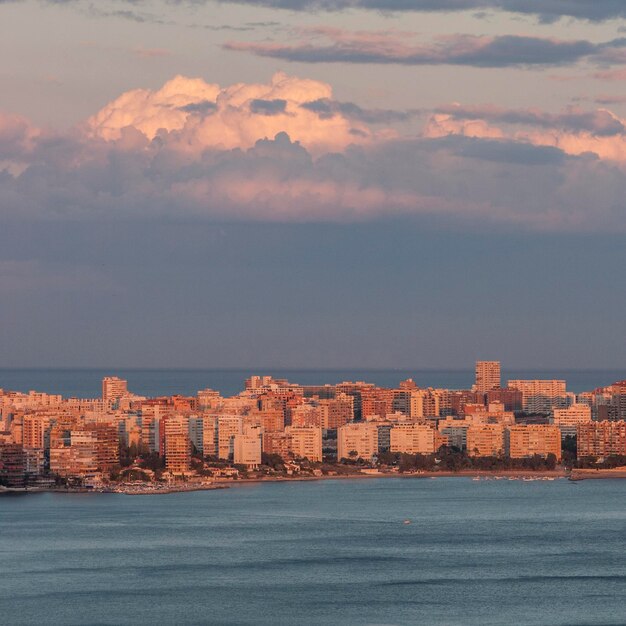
(308, 183)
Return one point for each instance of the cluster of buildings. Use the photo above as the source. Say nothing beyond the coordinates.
(45, 437)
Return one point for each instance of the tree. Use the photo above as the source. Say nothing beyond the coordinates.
(551, 461)
(275, 461)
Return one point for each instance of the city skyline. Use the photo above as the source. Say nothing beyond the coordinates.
(276, 429)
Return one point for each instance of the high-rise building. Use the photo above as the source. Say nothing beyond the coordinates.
(177, 444)
(336, 411)
(376, 402)
(541, 396)
(601, 439)
(84, 450)
(113, 388)
(618, 400)
(412, 438)
(196, 433)
(568, 419)
(527, 440)
(12, 465)
(455, 435)
(276, 442)
(485, 440)
(307, 414)
(209, 435)
(33, 431)
(358, 440)
(305, 442)
(153, 412)
(227, 427)
(487, 375)
(247, 447)
(510, 398)
(424, 403)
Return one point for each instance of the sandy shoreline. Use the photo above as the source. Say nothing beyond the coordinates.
(575, 475)
(593, 474)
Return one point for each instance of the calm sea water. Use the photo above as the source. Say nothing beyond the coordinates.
(86, 383)
(488, 552)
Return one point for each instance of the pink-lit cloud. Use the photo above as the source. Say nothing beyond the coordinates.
(573, 131)
(198, 115)
(286, 151)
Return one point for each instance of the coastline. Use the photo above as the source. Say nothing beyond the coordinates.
(152, 489)
(597, 474)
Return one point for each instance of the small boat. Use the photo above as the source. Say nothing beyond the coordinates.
(406, 521)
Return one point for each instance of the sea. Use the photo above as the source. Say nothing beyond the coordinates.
(359, 551)
(87, 383)
(364, 551)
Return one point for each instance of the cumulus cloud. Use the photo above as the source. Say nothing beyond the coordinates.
(198, 115)
(574, 131)
(333, 45)
(196, 150)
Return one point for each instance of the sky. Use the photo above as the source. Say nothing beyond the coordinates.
(312, 183)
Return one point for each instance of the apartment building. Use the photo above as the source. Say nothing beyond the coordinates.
(487, 376)
(527, 440)
(485, 440)
(357, 440)
(570, 418)
(412, 438)
(305, 442)
(601, 439)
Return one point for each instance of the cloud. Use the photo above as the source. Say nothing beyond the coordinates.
(326, 109)
(123, 14)
(545, 10)
(246, 26)
(17, 137)
(204, 107)
(198, 151)
(610, 99)
(600, 122)
(198, 115)
(575, 132)
(148, 111)
(332, 45)
(268, 107)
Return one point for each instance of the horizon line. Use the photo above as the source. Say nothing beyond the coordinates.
(305, 369)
